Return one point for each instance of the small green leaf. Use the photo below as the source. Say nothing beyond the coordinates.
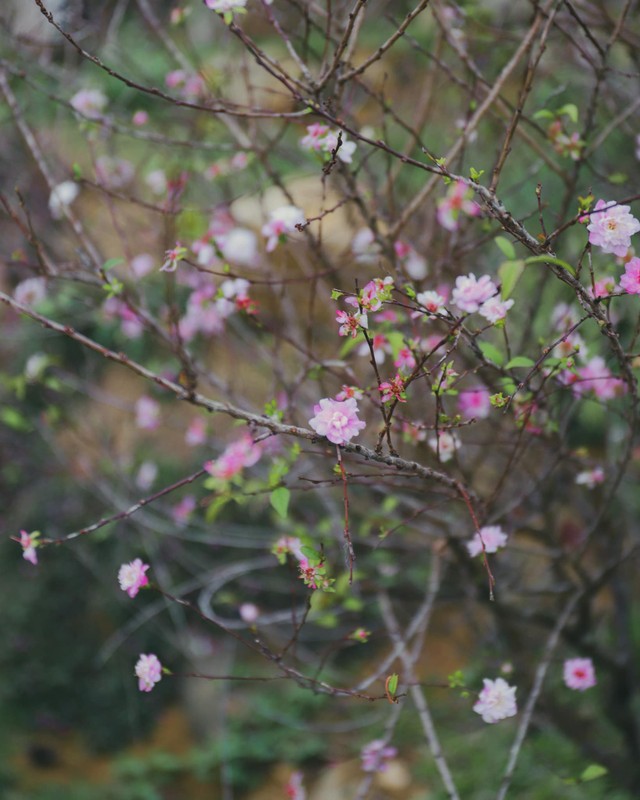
(519, 361)
(111, 263)
(592, 772)
(14, 419)
(336, 293)
(491, 352)
(544, 113)
(309, 553)
(392, 684)
(475, 174)
(280, 500)
(551, 260)
(509, 273)
(570, 110)
(617, 178)
(508, 250)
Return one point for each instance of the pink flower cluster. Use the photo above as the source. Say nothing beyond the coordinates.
(147, 413)
(373, 295)
(630, 281)
(244, 452)
(282, 222)
(612, 228)
(148, 670)
(393, 390)
(29, 542)
(350, 324)
(337, 420)
(132, 577)
(496, 701)
(471, 294)
(375, 756)
(474, 403)
(294, 788)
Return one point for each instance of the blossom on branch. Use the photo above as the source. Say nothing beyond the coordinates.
(496, 701)
(492, 536)
(29, 542)
(132, 578)
(630, 281)
(244, 452)
(375, 756)
(458, 201)
(579, 674)
(148, 671)
(613, 228)
(282, 222)
(470, 292)
(337, 420)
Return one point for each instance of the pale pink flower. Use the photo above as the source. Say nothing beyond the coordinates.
(350, 324)
(597, 377)
(405, 360)
(564, 316)
(313, 575)
(457, 201)
(131, 324)
(249, 613)
(61, 198)
(432, 301)
(474, 403)
(147, 473)
(181, 512)
(336, 419)
(380, 345)
(132, 578)
(349, 391)
(603, 287)
(173, 258)
(613, 228)
(393, 390)
(630, 281)
(375, 756)
(444, 445)
(140, 118)
(579, 674)
(373, 295)
(156, 180)
(315, 138)
(470, 292)
(590, 477)
(31, 292)
(142, 265)
(147, 413)
(114, 173)
(294, 788)
(244, 452)
(493, 538)
(190, 85)
(347, 147)
(282, 222)
(89, 102)
(29, 542)
(240, 246)
(364, 246)
(495, 309)
(286, 545)
(148, 671)
(496, 701)
(196, 432)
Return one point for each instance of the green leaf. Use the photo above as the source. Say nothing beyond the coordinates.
(336, 294)
(551, 260)
(491, 352)
(111, 263)
(570, 110)
(309, 552)
(519, 361)
(617, 178)
(14, 419)
(544, 113)
(509, 273)
(475, 174)
(592, 772)
(508, 250)
(392, 684)
(280, 500)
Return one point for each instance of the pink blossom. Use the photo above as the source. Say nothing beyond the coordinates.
(470, 293)
(613, 228)
(590, 477)
(444, 445)
(380, 345)
(314, 140)
(249, 612)
(364, 246)
(132, 578)
(173, 257)
(181, 512)
(147, 413)
(132, 325)
(493, 538)
(630, 281)
(294, 788)
(313, 575)
(579, 674)
(405, 360)
(347, 147)
(244, 452)
(148, 671)
(31, 291)
(350, 324)
(393, 390)
(29, 542)
(432, 301)
(603, 287)
(61, 198)
(474, 403)
(375, 756)
(597, 377)
(282, 221)
(89, 102)
(196, 432)
(286, 545)
(336, 419)
(240, 246)
(349, 391)
(114, 173)
(373, 295)
(142, 265)
(147, 473)
(458, 200)
(189, 85)
(140, 118)
(496, 701)
(495, 309)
